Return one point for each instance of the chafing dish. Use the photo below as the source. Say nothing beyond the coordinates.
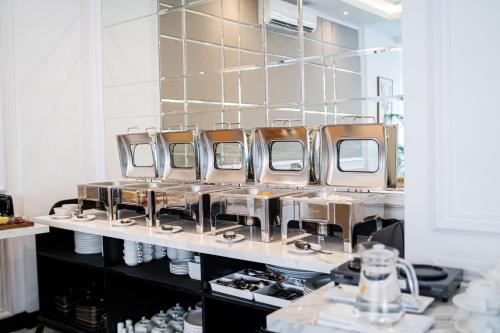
(280, 161)
(190, 201)
(326, 207)
(177, 156)
(103, 193)
(357, 157)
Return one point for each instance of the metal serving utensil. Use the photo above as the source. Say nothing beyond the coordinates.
(303, 245)
(167, 228)
(230, 235)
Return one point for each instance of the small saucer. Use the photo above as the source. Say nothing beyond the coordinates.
(120, 224)
(461, 302)
(60, 217)
(220, 238)
(294, 249)
(175, 228)
(88, 217)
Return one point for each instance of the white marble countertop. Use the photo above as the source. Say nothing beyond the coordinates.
(22, 232)
(302, 316)
(269, 253)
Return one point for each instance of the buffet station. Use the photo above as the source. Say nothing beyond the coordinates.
(206, 223)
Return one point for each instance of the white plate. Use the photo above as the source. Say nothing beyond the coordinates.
(462, 326)
(119, 224)
(88, 217)
(461, 301)
(220, 238)
(175, 229)
(60, 217)
(294, 249)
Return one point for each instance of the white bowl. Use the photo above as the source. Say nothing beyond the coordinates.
(172, 253)
(60, 211)
(194, 270)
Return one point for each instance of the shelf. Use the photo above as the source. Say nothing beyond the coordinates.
(95, 261)
(54, 320)
(240, 301)
(157, 272)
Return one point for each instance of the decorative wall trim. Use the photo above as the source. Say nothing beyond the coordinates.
(447, 216)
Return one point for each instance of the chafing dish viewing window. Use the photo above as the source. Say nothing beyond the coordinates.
(286, 155)
(182, 155)
(228, 155)
(142, 155)
(358, 155)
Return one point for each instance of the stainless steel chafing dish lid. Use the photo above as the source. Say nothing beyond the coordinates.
(177, 155)
(358, 155)
(137, 156)
(223, 156)
(280, 155)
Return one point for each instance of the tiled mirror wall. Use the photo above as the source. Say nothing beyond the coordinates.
(218, 64)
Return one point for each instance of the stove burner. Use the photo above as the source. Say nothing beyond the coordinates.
(355, 264)
(430, 273)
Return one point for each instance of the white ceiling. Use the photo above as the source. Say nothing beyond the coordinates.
(359, 16)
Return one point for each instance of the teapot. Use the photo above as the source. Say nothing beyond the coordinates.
(379, 295)
(144, 326)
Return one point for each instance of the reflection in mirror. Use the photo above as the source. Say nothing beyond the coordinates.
(182, 155)
(358, 156)
(142, 155)
(228, 155)
(286, 155)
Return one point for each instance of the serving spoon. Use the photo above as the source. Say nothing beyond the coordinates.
(303, 245)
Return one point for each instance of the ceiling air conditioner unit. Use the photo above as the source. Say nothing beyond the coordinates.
(284, 14)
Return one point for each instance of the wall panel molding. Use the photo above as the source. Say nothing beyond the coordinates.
(449, 215)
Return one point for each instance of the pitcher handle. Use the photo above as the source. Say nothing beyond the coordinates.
(411, 277)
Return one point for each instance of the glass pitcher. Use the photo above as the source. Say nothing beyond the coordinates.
(379, 295)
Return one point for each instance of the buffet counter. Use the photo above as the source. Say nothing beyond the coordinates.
(269, 253)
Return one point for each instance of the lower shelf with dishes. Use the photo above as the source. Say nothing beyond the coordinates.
(97, 284)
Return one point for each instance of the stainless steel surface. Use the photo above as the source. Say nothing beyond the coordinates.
(130, 168)
(209, 171)
(166, 166)
(332, 136)
(255, 207)
(190, 200)
(266, 171)
(328, 207)
(104, 194)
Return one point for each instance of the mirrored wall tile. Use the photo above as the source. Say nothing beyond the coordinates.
(206, 87)
(251, 38)
(203, 58)
(171, 58)
(171, 24)
(231, 58)
(171, 120)
(213, 7)
(172, 89)
(275, 117)
(205, 120)
(282, 44)
(203, 28)
(116, 11)
(313, 83)
(250, 58)
(253, 86)
(140, 99)
(284, 85)
(231, 34)
(230, 9)
(253, 118)
(249, 11)
(345, 36)
(231, 93)
(130, 52)
(316, 119)
(348, 85)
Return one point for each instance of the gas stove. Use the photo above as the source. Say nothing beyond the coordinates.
(434, 281)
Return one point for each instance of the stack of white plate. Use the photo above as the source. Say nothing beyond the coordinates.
(292, 273)
(179, 267)
(193, 322)
(132, 253)
(159, 252)
(87, 243)
(147, 252)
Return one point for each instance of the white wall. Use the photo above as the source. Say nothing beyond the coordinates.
(130, 71)
(50, 87)
(451, 72)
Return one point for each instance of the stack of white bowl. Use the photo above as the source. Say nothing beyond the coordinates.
(87, 243)
(132, 253)
(159, 252)
(147, 252)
